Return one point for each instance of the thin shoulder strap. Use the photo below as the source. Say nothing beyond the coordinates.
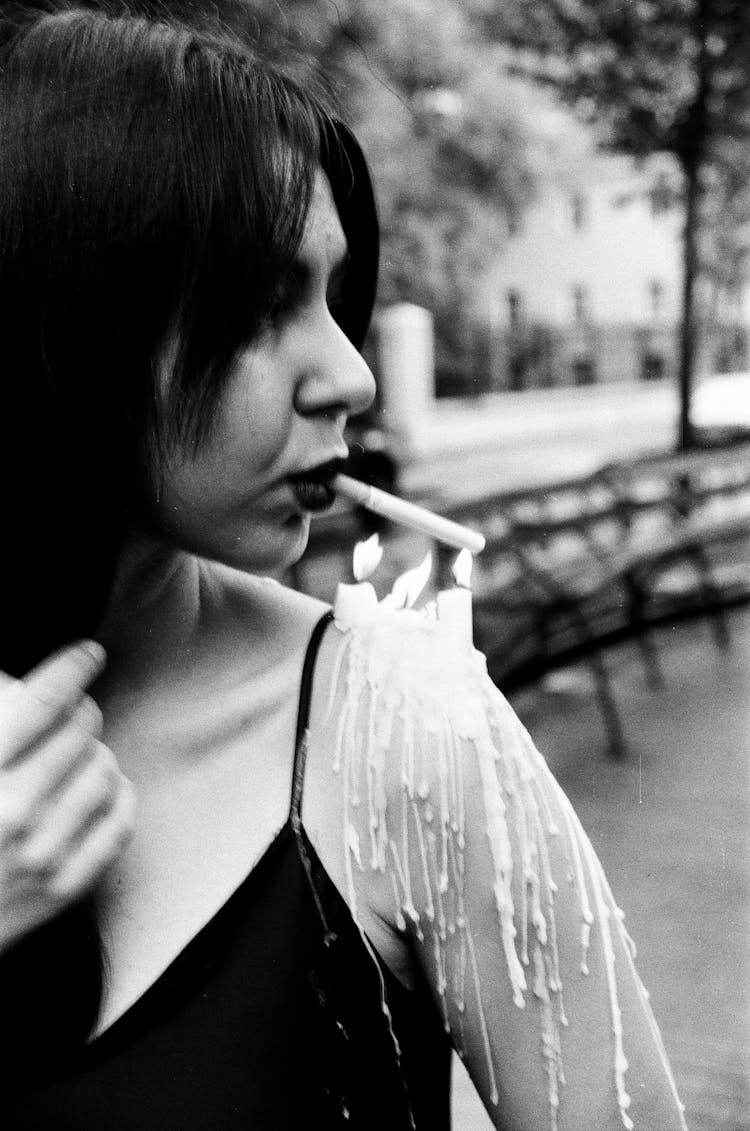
(303, 714)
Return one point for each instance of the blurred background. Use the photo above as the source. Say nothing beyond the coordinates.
(562, 354)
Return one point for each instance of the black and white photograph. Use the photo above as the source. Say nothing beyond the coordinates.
(375, 565)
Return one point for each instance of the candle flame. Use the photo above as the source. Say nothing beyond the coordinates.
(409, 585)
(366, 558)
(461, 569)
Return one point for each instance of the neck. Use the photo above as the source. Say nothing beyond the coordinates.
(155, 605)
(186, 670)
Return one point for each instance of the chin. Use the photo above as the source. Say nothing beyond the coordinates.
(271, 551)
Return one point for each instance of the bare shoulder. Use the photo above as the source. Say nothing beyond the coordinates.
(452, 833)
(279, 616)
(379, 695)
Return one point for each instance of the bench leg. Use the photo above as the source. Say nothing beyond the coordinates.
(603, 685)
(616, 747)
(712, 598)
(637, 600)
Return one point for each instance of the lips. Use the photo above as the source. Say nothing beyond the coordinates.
(312, 488)
(311, 495)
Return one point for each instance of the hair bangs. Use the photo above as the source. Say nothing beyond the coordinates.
(245, 203)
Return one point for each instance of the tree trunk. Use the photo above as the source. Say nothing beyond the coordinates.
(688, 329)
(693, 151)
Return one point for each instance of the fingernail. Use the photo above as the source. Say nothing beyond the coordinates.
(94, 651)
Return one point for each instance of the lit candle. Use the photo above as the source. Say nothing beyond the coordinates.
(357, 605)
(407, 587)
(454, 605)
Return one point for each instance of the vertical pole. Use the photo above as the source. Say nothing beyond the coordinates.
(688, 331)
(406, 370)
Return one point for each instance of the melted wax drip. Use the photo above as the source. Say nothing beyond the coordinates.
(406, 689)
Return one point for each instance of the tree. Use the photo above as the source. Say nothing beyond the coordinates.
(658, 75)
(450, 161)
(422, 90)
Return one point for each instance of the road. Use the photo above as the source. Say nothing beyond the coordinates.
(671, 824)
(467, 447)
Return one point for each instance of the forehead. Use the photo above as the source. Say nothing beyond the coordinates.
(323, 235)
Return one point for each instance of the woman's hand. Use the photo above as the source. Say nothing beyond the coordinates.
(66, 810)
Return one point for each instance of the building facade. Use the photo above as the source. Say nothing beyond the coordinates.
(588, 289)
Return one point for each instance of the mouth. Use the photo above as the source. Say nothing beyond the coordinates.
(312, 488)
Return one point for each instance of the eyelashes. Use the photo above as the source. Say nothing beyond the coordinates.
(337, 287)
(336, 306)
(295, 291)
(286, 301)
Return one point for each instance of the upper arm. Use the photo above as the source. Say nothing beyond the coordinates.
(451, 815)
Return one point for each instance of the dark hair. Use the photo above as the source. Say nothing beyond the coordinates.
(153, 179)
(154, 185)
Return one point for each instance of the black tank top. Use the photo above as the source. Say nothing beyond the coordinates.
(269, 1019)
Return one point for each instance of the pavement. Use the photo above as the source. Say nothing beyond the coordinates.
(671, 820)
(671, 824)
(468, 447)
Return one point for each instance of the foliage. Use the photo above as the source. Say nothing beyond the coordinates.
(428, 99)
(655, 75)
(661, 74)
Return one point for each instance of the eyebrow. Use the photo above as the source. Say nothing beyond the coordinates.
(303, 266)
(341, 263)
(337, 246)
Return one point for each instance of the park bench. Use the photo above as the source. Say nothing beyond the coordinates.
(582, 564)
(590, 562)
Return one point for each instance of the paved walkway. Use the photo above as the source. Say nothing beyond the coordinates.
(671, 824)
(466, 447)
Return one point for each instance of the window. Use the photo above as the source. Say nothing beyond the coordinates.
(662, 196)
(656, 294)
(515, 309)
(583, 371)
(581, 304)
(652, 367)
(580, 211)
(516, 374)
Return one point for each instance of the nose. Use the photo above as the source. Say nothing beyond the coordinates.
(338, 380)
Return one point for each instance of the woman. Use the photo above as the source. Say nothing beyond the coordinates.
(189, 256)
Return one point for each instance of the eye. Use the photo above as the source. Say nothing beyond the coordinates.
(287, 299)
(336, 307)
(335, 300)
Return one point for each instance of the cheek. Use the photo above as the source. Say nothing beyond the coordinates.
(201, 483)
(241, 449)
(175, 479)
(258, 407)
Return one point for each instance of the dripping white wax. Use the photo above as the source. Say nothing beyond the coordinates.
(410, 697)
(409, 514)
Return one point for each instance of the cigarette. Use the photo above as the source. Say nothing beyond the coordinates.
(408, 514)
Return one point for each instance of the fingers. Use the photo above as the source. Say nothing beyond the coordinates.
(33, 779)
(46, 698)
(66, 810)
(97, 851)
(52, 857)
(83, 828)
(61, 673)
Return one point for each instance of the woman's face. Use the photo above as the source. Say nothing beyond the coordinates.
(244, 496)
